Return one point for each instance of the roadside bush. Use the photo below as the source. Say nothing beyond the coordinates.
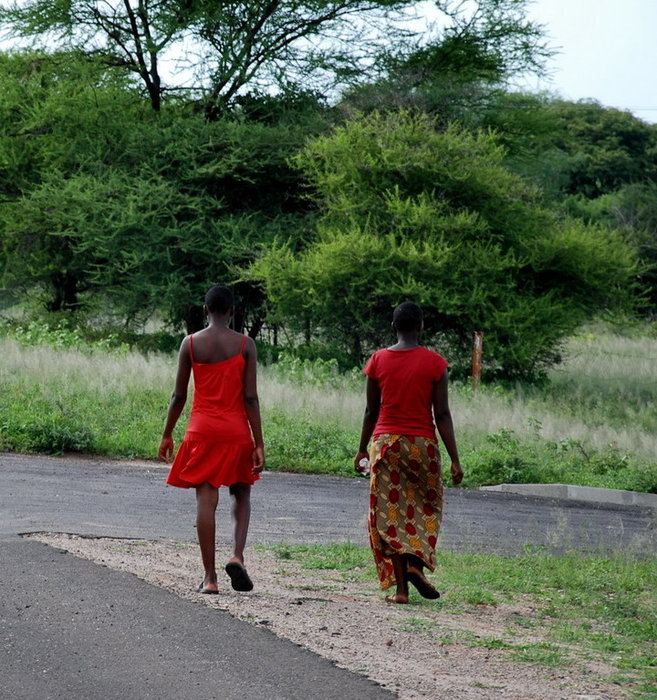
(505, 460)
(57, 436)
(298, 444)
(409, 211)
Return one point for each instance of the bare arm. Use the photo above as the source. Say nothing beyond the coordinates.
(372, 408)
(443, 418)
(252, 404)
(178, 400)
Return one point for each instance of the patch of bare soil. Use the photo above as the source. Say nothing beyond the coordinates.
(415, 651)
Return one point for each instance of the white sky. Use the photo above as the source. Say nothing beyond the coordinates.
(607, 51)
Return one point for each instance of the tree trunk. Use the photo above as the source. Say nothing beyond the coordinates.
(256, 326)
(194, 320)
(154, 92)
(65, 297)
(238, 318)
(357, 350)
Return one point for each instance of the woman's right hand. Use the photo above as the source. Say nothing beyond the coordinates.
(457, 473)
(360, 455)
(258, 459)
(165, 452)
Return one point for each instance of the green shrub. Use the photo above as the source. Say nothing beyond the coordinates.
(298, 444)
(58, 437)
(505, 460)
(413, 211)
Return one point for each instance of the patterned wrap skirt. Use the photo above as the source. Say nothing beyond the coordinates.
(406, 501)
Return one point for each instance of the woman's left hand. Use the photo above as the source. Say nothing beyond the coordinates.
(457, 473)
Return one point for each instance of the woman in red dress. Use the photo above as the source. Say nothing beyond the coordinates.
(406, 384)
(223, 444)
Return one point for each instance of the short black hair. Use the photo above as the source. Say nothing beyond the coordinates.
(219, 300)
(407, 317)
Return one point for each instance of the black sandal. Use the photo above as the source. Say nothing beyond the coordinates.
(239, 579)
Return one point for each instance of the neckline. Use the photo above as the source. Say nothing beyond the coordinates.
(417, 347)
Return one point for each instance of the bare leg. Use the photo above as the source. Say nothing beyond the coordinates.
(241, 494)
(399, 565)
(207, 497)
(413, 561)
(415, 575)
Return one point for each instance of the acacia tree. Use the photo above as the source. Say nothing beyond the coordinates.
(454, 72)
(632, 210)
(100, 197)
(58, 116)
(132, 34)
(291, 42)
(413, 211)
(235, 43)
(233, 46)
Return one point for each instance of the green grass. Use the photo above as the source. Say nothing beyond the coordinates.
(577, 607)
(340, 557)
(593, 424)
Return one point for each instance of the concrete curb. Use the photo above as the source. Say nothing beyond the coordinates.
(588, 494)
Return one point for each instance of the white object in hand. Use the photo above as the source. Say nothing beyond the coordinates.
(364, 464)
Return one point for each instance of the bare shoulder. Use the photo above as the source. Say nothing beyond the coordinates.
(249, 346)
(184, 345)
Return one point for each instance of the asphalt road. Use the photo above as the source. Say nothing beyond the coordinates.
(72, 629)
(126, 499)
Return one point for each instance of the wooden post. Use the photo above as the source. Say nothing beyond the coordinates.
(477, 351)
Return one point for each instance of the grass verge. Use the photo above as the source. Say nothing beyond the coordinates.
(549, 611)
(593, 425)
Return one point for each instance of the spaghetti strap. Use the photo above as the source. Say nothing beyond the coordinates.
(191, 348)
(243, 345)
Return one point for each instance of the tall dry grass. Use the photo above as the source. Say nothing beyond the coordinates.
(605, 394)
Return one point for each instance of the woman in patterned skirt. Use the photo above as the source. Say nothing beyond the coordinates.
(406, 392)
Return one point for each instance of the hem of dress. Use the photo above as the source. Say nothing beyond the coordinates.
(192, 485)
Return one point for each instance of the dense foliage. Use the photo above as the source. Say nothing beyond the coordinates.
(325, 193)
(409, 211)
(108, 203)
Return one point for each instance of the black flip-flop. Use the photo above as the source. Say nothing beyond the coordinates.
(424, 588)
(206, 591)
(239, 579)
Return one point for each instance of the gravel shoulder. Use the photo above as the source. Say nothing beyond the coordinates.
(414, 651)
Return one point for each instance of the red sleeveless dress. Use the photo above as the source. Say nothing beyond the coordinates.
(218, 445)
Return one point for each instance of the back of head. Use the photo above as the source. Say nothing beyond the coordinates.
(219, 300)
(407, 317)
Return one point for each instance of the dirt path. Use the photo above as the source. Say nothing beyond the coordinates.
(413, 650)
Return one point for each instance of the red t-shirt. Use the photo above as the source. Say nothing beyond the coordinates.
(406, 379)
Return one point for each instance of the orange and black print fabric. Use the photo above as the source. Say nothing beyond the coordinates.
(406, 501)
